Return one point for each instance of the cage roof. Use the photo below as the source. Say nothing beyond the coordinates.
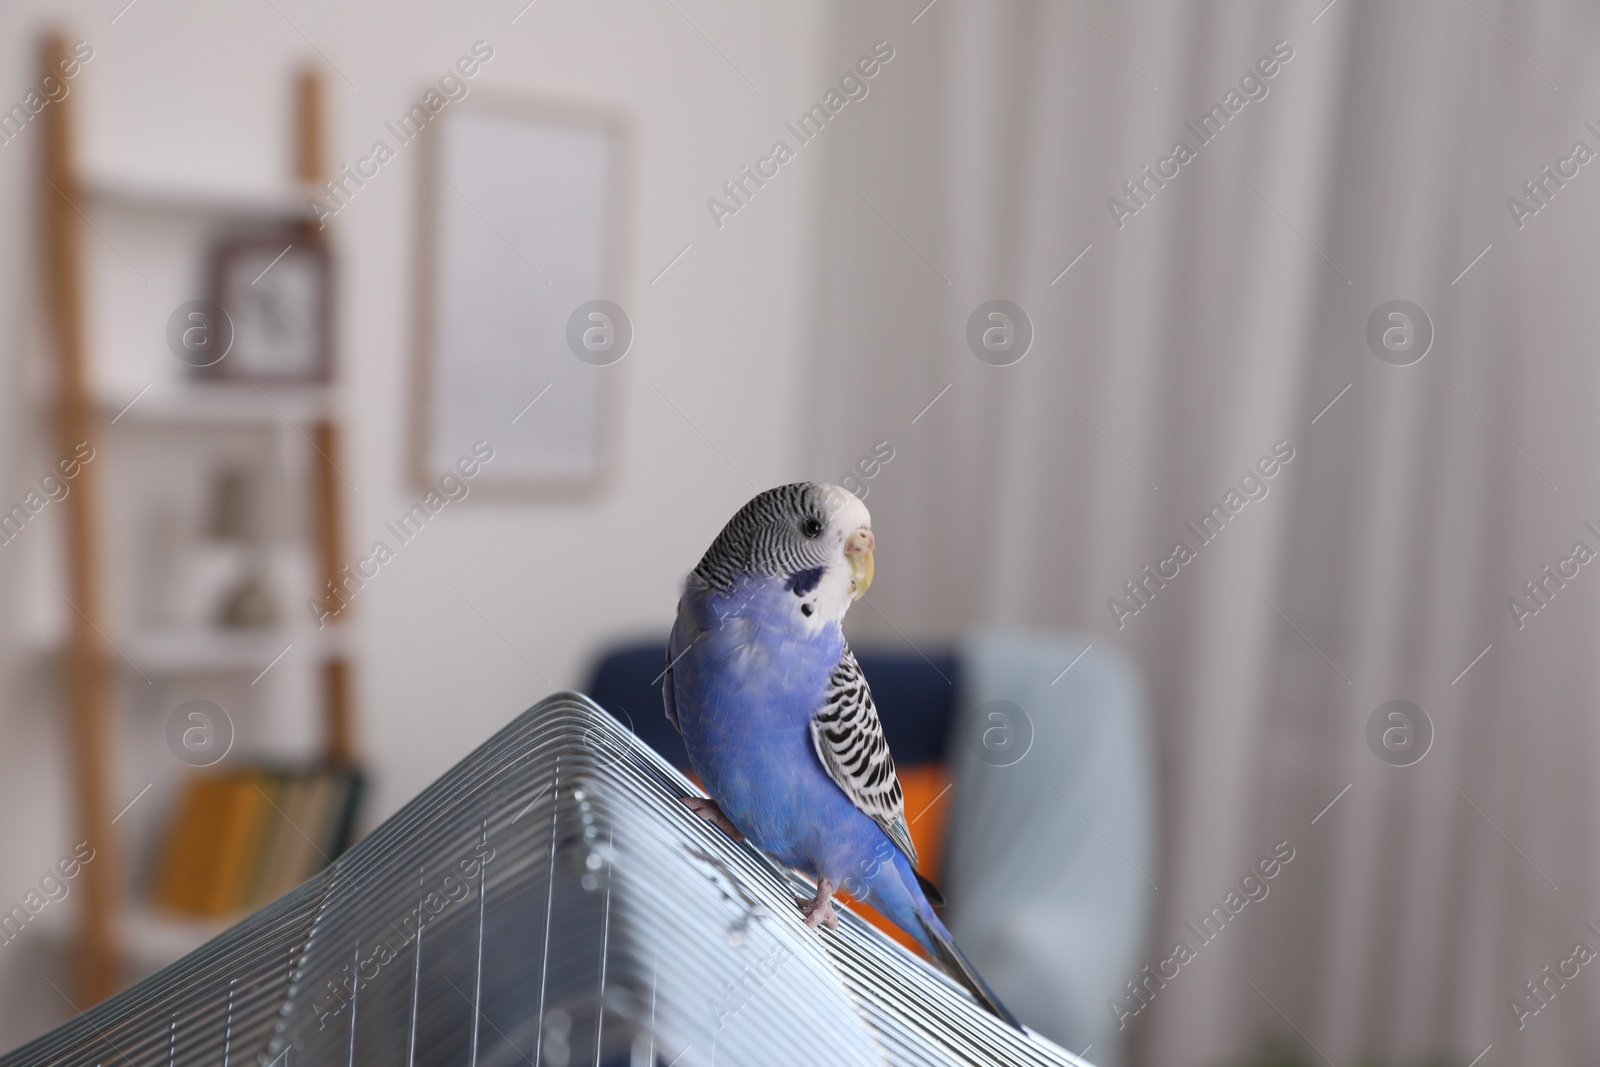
(547, 901)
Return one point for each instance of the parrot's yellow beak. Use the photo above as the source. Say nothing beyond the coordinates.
(858, 551)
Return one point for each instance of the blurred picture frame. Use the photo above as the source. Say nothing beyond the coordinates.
(520, 338)
(277, 289)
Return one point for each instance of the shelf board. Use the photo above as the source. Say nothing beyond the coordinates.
(163, 193)
(221, 404)
(192, 651)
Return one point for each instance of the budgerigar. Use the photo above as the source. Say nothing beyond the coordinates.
(777, 717)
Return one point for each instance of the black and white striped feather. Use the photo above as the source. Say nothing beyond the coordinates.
(849, 740)
(764, 537)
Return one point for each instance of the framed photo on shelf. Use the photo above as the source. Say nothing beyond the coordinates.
(277, 289)
(521, 333)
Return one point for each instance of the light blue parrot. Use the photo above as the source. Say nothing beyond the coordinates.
(777, 717)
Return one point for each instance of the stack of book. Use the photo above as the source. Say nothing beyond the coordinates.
(243, 838)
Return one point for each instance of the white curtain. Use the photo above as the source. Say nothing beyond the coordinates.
(1220, 319)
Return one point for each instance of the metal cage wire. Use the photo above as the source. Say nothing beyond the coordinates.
(548, 902)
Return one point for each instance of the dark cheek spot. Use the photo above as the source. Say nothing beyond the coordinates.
(806, 609)
(802, 582)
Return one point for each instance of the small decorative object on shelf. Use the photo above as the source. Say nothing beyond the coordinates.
(250, 603)
(277, 289)
(236, 518)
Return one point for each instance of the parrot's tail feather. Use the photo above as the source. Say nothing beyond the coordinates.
(961, 967)
(932, 892)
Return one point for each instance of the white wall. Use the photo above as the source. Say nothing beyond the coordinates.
(183, 86)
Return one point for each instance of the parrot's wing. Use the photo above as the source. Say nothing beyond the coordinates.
(667, 696)
(849, 740)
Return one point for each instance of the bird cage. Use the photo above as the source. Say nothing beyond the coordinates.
(549, 901)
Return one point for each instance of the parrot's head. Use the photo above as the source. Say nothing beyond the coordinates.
(815, 539)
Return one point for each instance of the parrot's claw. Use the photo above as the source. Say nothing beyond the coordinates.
(819, 909)
(707, 809)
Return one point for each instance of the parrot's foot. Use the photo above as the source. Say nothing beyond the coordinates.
(707, 809)
(819, 909)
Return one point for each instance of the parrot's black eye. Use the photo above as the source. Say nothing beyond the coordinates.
(811, 526)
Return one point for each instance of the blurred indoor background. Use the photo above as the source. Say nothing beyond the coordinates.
(1340, 346)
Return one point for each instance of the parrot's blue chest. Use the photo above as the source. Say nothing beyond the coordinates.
(746, 692)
